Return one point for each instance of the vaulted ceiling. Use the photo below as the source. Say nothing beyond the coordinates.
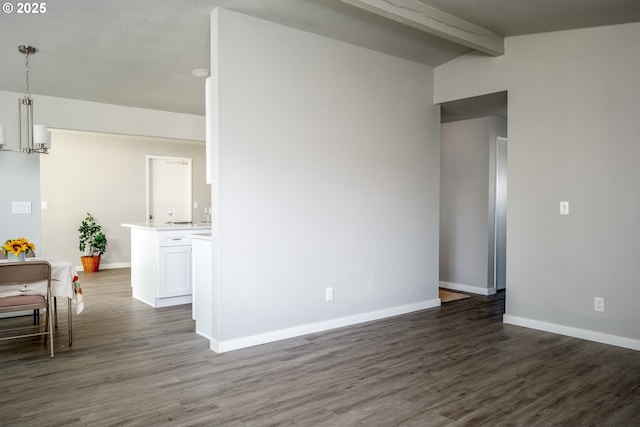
(141, 52)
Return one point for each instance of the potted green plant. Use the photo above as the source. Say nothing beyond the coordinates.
(93, 243)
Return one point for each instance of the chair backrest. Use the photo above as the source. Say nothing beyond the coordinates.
(32, 271)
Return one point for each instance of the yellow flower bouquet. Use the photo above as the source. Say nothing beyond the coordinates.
(18, 246)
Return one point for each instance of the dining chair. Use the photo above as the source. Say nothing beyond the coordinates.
(13, 277)
(30, 254)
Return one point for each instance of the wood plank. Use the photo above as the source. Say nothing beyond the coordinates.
(457, 364)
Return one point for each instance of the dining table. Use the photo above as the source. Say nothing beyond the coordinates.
(64, 284)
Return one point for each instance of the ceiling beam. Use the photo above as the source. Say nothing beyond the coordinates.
(433, 21)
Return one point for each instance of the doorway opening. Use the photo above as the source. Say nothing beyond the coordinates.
(169, 189)
(473, 197)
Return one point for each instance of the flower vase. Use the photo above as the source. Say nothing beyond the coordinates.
(15, 258)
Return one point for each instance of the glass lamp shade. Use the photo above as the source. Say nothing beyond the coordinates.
(41, 136)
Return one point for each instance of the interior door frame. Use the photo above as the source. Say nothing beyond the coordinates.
(500, 214)
(149, 158)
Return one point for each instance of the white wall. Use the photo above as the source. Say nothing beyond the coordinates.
(105, 174)
(574, 103)
(327, 169)
(467, 181)
(23, 172)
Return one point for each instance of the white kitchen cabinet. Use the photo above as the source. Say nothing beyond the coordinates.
(161, 263)
(175, 272)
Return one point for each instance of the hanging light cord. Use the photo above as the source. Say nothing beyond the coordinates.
(27, 92)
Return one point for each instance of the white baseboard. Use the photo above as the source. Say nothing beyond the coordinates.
(108, 266)
(584, 334)
(467, 288)
(296, 331)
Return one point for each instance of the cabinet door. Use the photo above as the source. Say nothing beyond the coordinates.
(175, 271)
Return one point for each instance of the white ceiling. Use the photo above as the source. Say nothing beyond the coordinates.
(141, 52)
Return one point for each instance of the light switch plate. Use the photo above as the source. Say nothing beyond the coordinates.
(564, 208)
(20, 208)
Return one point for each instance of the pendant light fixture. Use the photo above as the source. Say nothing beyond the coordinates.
(31, 138)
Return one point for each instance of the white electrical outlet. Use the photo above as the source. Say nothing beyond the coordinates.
(598, 304)
(328, 294)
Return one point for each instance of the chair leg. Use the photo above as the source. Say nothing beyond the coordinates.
(49, 324)
(55, 311)
(46, 324)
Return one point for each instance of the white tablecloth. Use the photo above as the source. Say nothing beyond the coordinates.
(63, 276)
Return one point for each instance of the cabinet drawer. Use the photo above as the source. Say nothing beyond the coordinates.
(175, 239)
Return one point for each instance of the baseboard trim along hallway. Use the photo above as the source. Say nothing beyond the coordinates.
(466, 288)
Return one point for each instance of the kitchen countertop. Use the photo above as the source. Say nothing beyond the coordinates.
(161, 226)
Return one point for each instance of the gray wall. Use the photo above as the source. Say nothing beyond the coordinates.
(327, 171)
(467, 182)
(20, 183)
(574, 103)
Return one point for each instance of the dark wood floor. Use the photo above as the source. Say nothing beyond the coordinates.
(456, 365)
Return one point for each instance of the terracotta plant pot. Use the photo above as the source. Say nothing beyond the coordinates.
(90, 264)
